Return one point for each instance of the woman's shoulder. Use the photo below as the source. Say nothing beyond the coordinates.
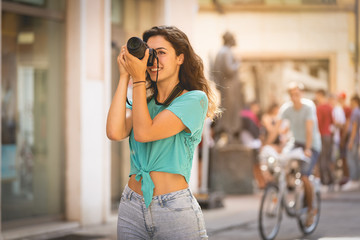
(194, 94)
(191, 98)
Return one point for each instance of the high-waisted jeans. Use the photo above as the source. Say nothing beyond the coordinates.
(175, 215)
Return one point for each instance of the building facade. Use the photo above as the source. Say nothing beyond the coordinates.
(313, 41)
(58, 75)
(59, 72)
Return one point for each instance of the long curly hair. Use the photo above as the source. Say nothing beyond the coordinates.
(191, 74)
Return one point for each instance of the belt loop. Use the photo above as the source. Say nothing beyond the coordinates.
(160, 201)
(191, 195)
(131, 193)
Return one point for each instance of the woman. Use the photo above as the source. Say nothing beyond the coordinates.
(157, 203)
(271, 126)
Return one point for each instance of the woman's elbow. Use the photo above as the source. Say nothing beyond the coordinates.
(140, 137)
(112, 135)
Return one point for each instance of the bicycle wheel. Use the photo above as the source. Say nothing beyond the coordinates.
(289, 202)
(270, 212)
(301, 217)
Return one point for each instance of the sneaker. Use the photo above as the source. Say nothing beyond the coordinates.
(324, 188)
(337, 187)
(344, 180)
(310, 217)
(351, 186)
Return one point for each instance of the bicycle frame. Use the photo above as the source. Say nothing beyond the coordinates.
(287, 188)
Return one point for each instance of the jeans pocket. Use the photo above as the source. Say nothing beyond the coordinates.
(178, 204)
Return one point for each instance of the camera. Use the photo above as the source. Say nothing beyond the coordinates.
(137, 48)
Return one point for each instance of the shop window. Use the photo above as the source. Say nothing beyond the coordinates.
(32, 120)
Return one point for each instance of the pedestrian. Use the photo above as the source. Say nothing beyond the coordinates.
(250, 137)
(163, 129)
(325, 121)
(344, 136)
(339, 121)
(301, 114)
(271, 127)
(271, 134)
(353, 146)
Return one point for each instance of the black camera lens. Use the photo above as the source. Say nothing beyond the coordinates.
(136, 47)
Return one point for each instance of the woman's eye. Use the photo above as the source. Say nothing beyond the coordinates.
(160, 52)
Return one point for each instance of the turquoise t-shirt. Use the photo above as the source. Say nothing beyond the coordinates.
(173, 154)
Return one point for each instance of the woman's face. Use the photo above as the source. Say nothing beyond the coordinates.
(169, 63)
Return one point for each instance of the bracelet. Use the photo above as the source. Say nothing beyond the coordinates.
(139, 82)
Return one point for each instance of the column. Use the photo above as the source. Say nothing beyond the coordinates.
(88, 70)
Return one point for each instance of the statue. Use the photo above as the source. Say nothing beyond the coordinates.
(226, 77)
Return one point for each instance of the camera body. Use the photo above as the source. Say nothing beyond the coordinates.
(137, 48)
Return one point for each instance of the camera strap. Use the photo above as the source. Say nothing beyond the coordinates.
(177, 90)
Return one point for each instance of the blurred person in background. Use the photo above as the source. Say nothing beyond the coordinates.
(301, 114)
(271, 127)
(353, 146)
(157, 202)
(339, 121)
(271, 133)
(250, 137)
(325, 121)
(344, 136)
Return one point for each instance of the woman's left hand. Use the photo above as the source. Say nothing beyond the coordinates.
(136, 67)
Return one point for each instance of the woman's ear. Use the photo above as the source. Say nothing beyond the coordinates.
(180, 59)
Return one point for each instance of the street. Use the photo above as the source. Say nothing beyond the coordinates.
(237, 220)
(340, 217)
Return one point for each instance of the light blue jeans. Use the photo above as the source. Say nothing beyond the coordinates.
(175, 215)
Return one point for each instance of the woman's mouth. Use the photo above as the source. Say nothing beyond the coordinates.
(155, 69)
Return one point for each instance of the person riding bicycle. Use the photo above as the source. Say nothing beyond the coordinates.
(301, 114)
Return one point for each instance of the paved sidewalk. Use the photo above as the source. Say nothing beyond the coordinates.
(238, 210)
(236, 220)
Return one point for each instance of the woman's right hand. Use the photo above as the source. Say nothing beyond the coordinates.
(122, 70)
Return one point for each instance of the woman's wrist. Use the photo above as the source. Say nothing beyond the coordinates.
(125, 75)
(138, 82)
(138, 78)
(125, 78)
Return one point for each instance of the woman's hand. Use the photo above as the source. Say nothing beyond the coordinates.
(122, 70)
(134, 66)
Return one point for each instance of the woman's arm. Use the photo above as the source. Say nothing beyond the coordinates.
(272, 130)
(165, 124)
(119, 120)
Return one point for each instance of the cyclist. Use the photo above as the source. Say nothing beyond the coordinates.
(301, 114)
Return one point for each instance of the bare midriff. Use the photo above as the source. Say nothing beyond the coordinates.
(164, 183)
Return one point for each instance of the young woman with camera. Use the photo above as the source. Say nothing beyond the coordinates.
(164, 122)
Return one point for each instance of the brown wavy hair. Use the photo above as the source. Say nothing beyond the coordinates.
(191, 74)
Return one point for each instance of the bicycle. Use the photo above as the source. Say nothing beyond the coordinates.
(286, 190)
